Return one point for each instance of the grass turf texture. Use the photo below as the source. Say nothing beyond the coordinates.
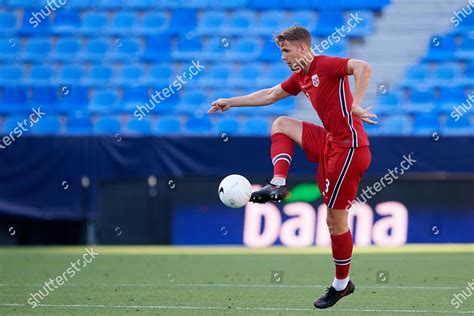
(226, 281)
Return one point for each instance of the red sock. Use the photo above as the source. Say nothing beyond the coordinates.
(282, 152)
(342, 253)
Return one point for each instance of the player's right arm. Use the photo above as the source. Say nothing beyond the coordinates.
(258, 98)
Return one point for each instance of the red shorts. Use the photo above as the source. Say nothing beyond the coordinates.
(339, 168)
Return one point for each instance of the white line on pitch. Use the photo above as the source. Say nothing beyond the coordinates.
(269, 309)
(414, 287)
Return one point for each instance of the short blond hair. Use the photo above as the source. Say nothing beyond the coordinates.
(294, 34)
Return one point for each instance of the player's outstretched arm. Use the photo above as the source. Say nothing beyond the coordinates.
(362, 71)
(258, 98)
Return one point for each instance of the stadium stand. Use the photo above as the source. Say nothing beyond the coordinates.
(113, 57)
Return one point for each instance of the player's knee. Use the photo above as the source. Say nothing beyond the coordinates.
(280, 125)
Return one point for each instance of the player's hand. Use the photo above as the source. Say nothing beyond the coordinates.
(365, 114)
(220, 104)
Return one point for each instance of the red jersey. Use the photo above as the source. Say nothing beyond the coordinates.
(326, 85)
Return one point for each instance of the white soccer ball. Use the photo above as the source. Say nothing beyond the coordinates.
(235, 190)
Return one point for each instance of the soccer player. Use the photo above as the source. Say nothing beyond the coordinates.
(341, 148)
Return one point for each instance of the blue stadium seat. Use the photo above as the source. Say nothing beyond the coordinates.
(441, 48)
(7, 23)
(40, 23)
(104, 101)
(23, 4)
(364, 27)
(106, 126)
(187, 48)
(276, 74)
(247, 49)
(266, 4)
(283, 107)
(15, 121)
(420, 101)
(256, 126)
(466, 49)
(94, 23)
(73, 99)
(46, 97)
(307, 19)
(241, 22)
(167, 125)
(372, 130)
(217, 49)
(78, 125)
(96, 49)
(416, 75)
(126, 50)
(218, 75)
(193, 101)
(468, 76)
(338, 49)
(40, 74)
(460, 127)
(444, 74)
(66, 49)
(396, 125)
(327, 22)
(37, 49)
(183, 20)
(110, 4)
(426, 124)
(136, 127)
(222, 93)
(10, 74)
(130, 75)
(154, 23)
(297, 4)
(14, 99)
(66, 22)
(451, 97)
(160, 74)
(246, 76)
(140, 4)
(229, 126)
(271, 22)
(466, 25)
(98, 75)
(235, 4)
(388, 104)
(123, 23)
(157, 48)
(49, 124)
(9, 49)
(81, 4)
(199, 126)
(211, 22)
(70, 74)
(134, 96)
(270, 52)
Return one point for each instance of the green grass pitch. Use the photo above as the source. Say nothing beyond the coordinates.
(412, 280)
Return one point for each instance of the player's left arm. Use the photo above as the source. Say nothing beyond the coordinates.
(362, 71)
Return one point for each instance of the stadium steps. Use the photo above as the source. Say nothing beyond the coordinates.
(398, 42)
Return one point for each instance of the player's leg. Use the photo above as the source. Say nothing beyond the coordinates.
(285, 132)
(346, 169)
